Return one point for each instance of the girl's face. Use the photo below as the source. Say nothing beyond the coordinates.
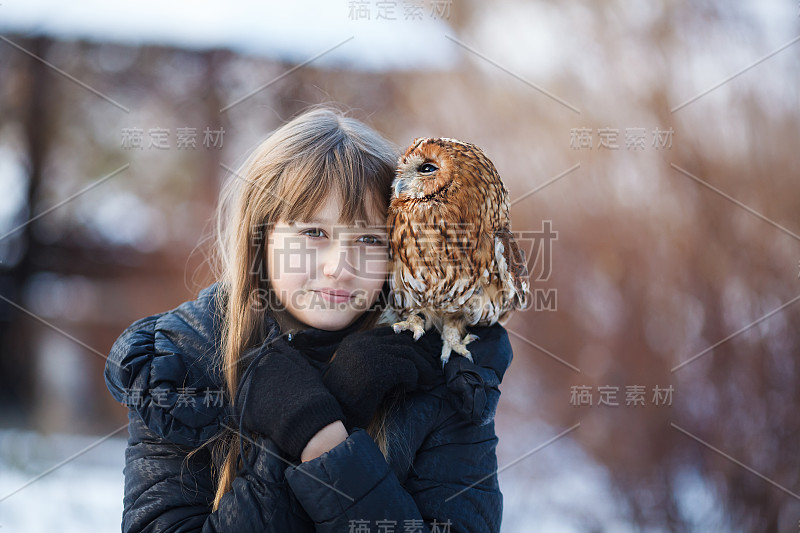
(326, 274)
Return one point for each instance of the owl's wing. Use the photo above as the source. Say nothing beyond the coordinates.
(513, 267)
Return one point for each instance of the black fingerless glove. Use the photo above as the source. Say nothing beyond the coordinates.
(368, 364)
(282, 396)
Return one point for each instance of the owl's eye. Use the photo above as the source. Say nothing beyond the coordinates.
(427, 168)
(371, 239)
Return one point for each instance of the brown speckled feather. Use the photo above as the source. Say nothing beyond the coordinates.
(455, 259)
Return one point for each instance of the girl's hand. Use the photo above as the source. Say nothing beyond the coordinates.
(368, 364)
(326, 439)
(282, 397)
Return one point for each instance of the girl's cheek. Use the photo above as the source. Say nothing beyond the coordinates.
(365, 298)
(362, 301)
(292, 262)
(374, 262)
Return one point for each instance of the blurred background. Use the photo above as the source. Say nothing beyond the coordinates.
(650, 152)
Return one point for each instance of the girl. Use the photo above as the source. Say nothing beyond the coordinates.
(272, 402)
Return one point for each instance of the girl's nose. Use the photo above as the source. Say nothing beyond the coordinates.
(337, 262)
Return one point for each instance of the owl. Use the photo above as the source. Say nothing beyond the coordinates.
(454, 260)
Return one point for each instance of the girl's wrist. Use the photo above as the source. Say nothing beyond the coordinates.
(326, 439)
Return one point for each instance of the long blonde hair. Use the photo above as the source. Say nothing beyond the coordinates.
(288, 176)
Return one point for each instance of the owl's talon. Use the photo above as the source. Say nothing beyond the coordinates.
(413, 323)
(452, 341)
(445, 353)
(460, 349)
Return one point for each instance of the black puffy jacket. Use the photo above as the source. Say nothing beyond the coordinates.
(440, 476)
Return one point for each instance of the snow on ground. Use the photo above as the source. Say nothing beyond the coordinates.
(555, 489)
(83, 495)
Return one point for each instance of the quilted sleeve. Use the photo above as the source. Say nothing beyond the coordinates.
(453, 486)
(169, 489)
(149, 372)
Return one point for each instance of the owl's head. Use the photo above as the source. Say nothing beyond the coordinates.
(428, 172)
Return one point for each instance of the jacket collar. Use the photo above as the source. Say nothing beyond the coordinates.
(319, 344)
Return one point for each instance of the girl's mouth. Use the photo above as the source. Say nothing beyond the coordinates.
(335, 296)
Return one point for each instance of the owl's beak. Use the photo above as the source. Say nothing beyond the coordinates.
(399, 186)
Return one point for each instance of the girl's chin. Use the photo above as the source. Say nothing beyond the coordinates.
(331, 320)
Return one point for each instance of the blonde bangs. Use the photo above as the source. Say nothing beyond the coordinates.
(362, 182)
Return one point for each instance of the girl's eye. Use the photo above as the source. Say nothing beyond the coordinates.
(371, 239)
(313, 232)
